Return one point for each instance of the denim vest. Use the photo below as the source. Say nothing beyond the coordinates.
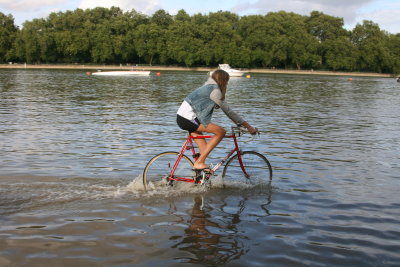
(201, 103)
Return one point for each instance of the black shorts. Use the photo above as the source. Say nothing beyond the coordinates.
(188, 125)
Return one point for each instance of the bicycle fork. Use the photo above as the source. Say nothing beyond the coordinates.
(239, 153)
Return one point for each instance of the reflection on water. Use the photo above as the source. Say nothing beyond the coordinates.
(73, 148)
(205, 238)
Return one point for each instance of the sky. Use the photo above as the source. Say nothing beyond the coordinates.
(384, 12)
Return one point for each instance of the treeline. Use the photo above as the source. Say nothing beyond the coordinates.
(275, 40)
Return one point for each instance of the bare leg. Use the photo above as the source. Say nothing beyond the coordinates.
(207, 147)
(201, 143)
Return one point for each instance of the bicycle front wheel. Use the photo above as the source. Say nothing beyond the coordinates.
(158, 169)
(256, 166)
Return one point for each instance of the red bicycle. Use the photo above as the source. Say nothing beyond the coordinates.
(169, 167)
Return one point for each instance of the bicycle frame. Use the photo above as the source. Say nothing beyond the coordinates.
(188, 145)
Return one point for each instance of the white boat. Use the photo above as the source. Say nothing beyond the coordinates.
(230, 71)
(122, 73)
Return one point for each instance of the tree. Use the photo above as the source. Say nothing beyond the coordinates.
(277, 39)
(328, 30)
(340, 54)
(149, 41)
(28, 42)
(182, 16)
(393, 46)
(254, 31)
(325, 27)
(162, 18)
(72, 34)
(222, 39)
(8, 33)
(289, 42)
(371, 42)
(183, 44)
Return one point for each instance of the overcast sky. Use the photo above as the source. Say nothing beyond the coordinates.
(384, 12)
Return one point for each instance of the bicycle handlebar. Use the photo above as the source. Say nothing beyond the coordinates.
(236, 131)
(239, 130)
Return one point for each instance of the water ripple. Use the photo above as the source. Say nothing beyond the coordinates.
(73, 148)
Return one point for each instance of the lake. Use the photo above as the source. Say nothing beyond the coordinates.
(73, 148)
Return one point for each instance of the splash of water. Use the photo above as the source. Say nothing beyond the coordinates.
(181, 188)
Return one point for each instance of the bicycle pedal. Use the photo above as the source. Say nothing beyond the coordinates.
(169, 182)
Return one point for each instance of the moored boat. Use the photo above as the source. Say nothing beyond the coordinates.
(230, 71)
(122, 73)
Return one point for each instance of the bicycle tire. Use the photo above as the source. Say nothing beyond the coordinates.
(159, 168)
(256, 165)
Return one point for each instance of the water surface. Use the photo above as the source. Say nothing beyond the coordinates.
(73, 148)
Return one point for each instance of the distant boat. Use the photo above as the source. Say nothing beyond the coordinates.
(230, 71)
(122, 73)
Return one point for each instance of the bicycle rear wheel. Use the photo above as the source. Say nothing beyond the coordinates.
(256, 165)
(158, 169)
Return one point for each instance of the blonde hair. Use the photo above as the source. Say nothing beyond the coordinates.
(221, 77)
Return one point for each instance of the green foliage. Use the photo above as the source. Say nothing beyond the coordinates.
(275, 40)
(393, 44)
(334, 46)
(162, 18)
(340, 54)
(373, 51)
(8, 33)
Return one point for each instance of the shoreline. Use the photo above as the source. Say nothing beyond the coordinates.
(174, 68)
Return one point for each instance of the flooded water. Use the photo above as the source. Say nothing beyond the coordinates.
(73, 148)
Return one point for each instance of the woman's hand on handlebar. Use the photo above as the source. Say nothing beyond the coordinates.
(252, 130)
(249, 128)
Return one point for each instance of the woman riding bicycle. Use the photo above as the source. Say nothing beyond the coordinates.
(194, 115)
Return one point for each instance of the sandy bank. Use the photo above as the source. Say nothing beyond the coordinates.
(164, 68)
